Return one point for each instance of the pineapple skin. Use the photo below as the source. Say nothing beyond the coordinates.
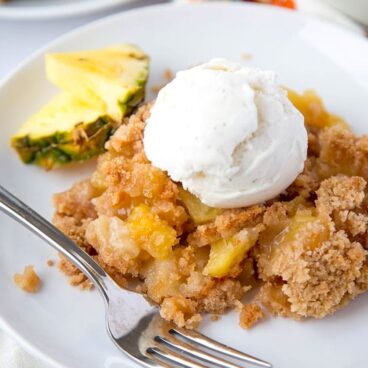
(101, 86)
(64, 130)
(81, 143)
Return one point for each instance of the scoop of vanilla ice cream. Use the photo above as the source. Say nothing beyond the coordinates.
(228, 133)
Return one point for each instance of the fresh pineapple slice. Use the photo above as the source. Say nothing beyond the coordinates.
(112, 79)
(66, 129)
(198, 211)
(152, 234)
(227, 253)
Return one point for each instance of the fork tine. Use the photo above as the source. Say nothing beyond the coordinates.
(173, 358)
(174, 343)
(151, 362)
(199, 339)
(158, 363)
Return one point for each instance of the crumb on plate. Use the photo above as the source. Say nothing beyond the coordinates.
(246, 56)
(27, 281)
(250, 314)
(168, 76)
(50, 262)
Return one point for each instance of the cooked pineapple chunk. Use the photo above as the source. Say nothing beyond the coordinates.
(151, 233)
(301, 224)
(298, 222)
(66, 129)
(314, 111)
(161, 277)
(112, 79)
(227, 253)
(198, 211)
(110, 236)
(98, 181)
(305, 232)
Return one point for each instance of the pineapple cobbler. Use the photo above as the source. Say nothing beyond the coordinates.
(225, 183)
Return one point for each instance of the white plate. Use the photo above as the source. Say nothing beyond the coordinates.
(65, 326)
(38, 9)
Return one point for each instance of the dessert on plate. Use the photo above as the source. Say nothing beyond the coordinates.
(226, 182)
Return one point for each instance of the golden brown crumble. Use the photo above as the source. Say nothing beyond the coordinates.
(311, 261)
(28, 280)
(307, 248)
(215, 317)
(167, 75)
(181, 311)
(246, 56)
(271, 296)
(250, 314)
(223, 295)
(155, 89)
(50, 262)
(225, 225)
(76, 277)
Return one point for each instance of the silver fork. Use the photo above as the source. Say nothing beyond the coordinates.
(135, 327)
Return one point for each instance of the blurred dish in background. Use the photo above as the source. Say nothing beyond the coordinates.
(291, 4)
(46, 9)
(356, 9)
(350, 15)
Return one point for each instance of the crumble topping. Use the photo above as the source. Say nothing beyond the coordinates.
(76, 277)
(310, 247)
(181, 311)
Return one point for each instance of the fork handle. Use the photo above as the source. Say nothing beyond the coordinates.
(19, 211)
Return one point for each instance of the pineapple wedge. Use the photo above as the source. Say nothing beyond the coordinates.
(111, 79)
(64, 130)
(227, 253)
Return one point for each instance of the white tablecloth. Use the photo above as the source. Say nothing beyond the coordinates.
(13, 356)
(18, 39)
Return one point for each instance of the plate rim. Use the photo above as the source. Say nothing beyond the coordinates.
(59, 11)
(6, 327)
